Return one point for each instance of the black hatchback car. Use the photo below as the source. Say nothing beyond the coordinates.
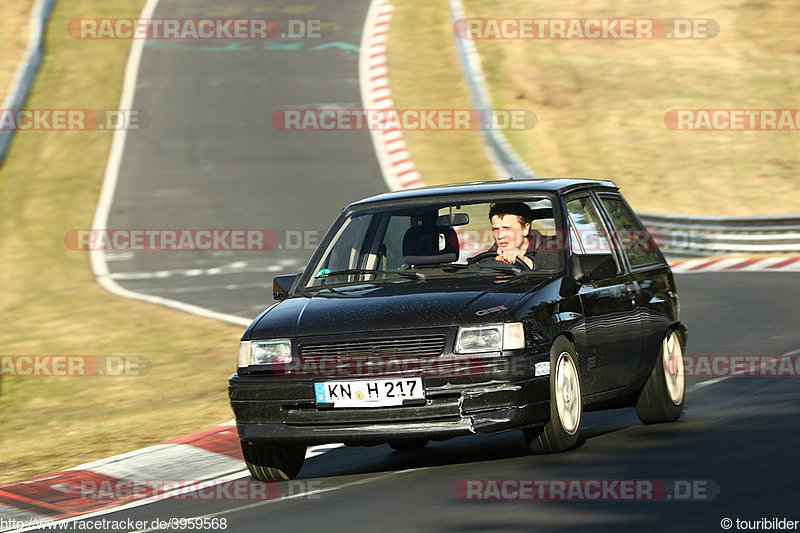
(461, 309)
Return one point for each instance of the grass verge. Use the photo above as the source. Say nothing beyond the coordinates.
(424, 73)
(51, 304)
(14, 36)
(601, 104)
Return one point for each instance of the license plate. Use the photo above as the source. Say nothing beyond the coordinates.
(368, 392)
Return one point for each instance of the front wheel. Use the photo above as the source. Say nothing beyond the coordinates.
(661, 399)
(273, 462)
(566, 405)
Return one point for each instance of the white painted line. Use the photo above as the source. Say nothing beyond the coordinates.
(62, 523)
(712, 381)
(707, 383)
(313, 451)
(119, 256)
(305, 494)
(97, 258)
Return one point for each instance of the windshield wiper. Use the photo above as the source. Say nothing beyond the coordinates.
(325, 273)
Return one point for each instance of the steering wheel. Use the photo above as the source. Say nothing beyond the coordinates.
(483, 256)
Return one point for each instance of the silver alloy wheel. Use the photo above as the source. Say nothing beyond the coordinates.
(568, 393)
(673, 367)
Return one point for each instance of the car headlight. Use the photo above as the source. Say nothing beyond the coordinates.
(493, 338)
(274, 351)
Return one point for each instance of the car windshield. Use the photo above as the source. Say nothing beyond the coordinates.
(397, 243)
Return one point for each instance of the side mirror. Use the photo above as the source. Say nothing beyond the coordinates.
(281, 285)
(593, 267)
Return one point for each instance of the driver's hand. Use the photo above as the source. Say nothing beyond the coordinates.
(510, 255)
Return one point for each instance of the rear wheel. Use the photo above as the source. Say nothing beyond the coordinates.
(405, 445)
(661, 399)
(273, 462)
(566, 405)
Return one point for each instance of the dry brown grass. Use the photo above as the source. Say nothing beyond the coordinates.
(51, 304)
(14, 36)
(424, 73)
(601, 104)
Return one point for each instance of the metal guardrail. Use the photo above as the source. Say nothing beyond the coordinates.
(26, 72)
(678, 235)
(504, 159)
(705, 235)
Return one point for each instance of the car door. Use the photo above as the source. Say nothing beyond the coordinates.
(609, 304)
(648, 271)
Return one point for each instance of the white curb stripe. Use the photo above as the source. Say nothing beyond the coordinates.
(763, 264)
(172, 462)
(737, 264)
(398, 171)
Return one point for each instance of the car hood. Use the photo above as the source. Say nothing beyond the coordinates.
(405, 305)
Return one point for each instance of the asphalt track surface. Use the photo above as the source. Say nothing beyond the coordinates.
(737, 435)
(210, 159)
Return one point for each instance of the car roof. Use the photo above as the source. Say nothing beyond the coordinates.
(488, 188)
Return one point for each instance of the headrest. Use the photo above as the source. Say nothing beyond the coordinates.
(430, 245)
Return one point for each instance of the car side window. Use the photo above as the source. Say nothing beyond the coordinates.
(587, 233)
(392, 248)
(634, 239)
(343, 258)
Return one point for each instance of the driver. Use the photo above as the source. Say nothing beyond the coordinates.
(511, 229)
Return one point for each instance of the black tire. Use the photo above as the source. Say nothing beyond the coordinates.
(661, 398)
(273, 462)
(566, 404)
(405, 445)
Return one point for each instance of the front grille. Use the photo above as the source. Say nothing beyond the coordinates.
(406, 346)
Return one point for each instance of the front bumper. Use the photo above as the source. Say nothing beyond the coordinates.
(278, 409)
